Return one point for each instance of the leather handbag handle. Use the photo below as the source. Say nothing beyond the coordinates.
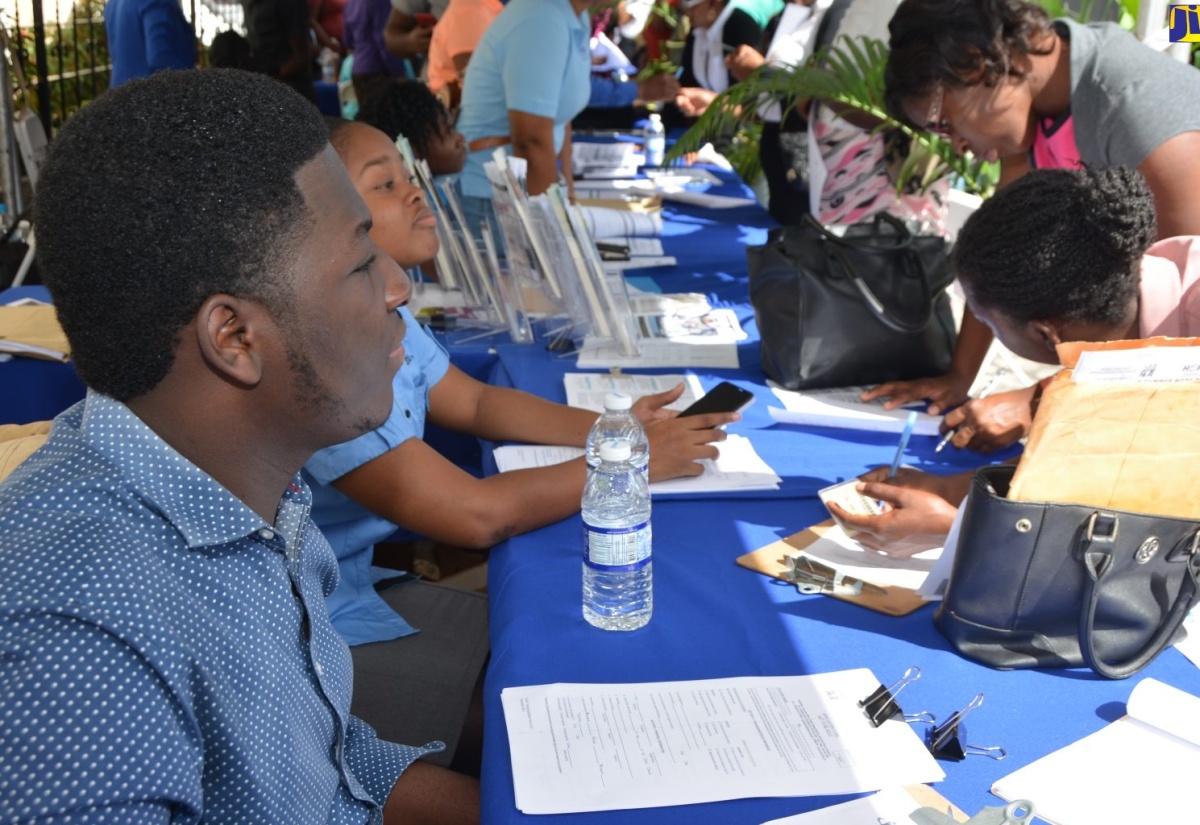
(904, 239)
(1097, 562)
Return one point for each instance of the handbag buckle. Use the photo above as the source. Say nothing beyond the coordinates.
(1104, 527)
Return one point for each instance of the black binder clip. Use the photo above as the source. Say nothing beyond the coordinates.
(881, 705)
(948, 740)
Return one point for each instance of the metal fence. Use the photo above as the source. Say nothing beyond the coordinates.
(60, 49)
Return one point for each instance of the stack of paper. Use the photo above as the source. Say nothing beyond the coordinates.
(606, 160)
(643, 254)
(586, 390)
(582, 748)
(1138, 769)
(602, 222)
(32, 329)
(841, 407)
(681, 330)
(738, 467)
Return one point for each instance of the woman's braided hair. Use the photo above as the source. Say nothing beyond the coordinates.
(1059, 243)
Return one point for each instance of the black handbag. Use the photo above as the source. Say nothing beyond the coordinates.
(1038, 584)
(861, 308)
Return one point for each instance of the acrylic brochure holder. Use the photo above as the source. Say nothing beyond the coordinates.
(552, 259)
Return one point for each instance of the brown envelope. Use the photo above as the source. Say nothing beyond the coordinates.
(1127, 446)
(33, 330)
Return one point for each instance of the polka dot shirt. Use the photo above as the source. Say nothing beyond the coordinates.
(166, 655)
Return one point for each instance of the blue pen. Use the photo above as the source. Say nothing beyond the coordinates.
(904, 436)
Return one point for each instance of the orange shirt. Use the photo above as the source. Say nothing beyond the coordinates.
(457, 32)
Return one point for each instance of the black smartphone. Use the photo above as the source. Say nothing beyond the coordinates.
(724, 397)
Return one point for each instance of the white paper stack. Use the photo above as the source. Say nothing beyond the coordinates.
(738, 467)
(586, 390)
(841, 407)
(606, 160)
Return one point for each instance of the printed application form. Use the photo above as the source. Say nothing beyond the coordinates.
(582, 748)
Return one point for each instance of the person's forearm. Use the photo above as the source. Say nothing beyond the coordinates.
(512, 415)
(974, 338)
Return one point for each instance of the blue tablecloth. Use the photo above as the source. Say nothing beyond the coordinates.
(713, 618)
(32, 389)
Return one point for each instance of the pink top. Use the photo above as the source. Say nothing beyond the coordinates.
(1054, 145)
(458, 32)
(1170, 290)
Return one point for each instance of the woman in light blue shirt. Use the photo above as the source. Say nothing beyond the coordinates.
(527, 79)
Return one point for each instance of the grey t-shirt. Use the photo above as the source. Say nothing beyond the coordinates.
(1126, 98)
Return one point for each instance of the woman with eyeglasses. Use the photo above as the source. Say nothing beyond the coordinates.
(1003, 81)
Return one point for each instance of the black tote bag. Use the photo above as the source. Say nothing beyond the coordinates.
(862, 308)
(1038, 584)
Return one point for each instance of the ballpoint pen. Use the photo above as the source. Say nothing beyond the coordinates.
(986, 389)
(903, 445)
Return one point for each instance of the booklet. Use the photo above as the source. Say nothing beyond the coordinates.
(1140, 768)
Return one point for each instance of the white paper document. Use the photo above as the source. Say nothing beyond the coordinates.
(1189, 646)
(891, 805)
(738, 467)
(694, 198)
(841, 407)
(586, 390)
(849, 557)
(606, 160)
(602, 222)
(1139, 769)
(638, 247)
(1145, 364)
(934, 586)
(582, 748)
(679, 330)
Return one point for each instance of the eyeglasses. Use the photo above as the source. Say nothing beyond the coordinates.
(934, 122)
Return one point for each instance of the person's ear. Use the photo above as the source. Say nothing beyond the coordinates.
(1047, 332)
(231, 333)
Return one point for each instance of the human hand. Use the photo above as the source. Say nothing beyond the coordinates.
(416, 40)
(744, 62)
(914, 519)
(678, 444)
(953, 488)
(943, 392)
(693, 101)
(988, 424)
(658, 87)
(651, 408)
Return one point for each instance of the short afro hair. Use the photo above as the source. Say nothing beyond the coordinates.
(408, 108)
(160, 193)
(957, 43)
(1059, 243)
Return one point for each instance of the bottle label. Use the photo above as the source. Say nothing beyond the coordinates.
(616, 549)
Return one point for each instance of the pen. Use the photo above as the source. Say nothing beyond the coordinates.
(986, 389)
(904, 436)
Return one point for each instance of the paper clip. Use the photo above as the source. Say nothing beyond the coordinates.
(948, 740)
(812, 576)
(881, 705)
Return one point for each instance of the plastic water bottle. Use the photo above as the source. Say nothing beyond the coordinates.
(618, 423)
(617, 570)
(655, 141)
(329, 61)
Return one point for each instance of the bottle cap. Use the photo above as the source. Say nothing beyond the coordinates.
(613, 450)
(655, 117)
(617, 401)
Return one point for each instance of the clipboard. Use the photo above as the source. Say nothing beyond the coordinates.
(927, 797)
(773, 561)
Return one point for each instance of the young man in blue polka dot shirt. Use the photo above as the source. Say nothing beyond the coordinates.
(165, 651)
